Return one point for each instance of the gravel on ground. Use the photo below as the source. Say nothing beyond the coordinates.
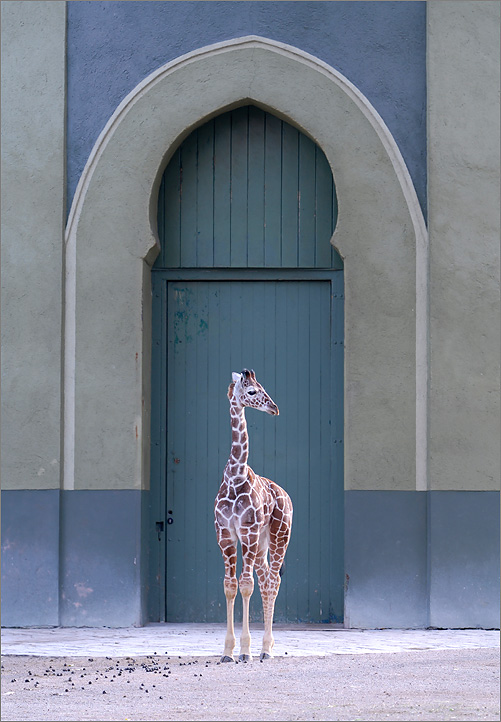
(435, 685)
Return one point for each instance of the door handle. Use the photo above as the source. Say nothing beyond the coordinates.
(159, 525)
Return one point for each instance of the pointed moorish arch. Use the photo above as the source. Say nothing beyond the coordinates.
(111, 242)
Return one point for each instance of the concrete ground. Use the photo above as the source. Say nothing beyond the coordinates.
(208, 639)
(172, 672)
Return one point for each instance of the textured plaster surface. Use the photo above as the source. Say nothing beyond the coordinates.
(378, 46)
(33, 176)
(110, 233)
(463, 118)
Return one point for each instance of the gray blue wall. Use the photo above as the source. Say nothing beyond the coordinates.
(379, 46)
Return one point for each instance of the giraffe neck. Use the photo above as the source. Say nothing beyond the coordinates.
(237, 463)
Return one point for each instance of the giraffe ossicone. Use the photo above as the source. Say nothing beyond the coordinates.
(254, 511)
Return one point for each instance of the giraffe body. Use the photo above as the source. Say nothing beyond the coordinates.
(254, 511)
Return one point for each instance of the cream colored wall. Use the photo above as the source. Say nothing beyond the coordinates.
(380, 234)
(464, 193)
(33, 173)
(386, 406)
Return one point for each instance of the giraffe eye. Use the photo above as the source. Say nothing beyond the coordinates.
(252, 392)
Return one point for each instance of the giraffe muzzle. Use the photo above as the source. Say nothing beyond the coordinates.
(273, 409)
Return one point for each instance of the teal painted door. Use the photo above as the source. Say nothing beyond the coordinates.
(290, 332)
(246, 277)
(247, 190)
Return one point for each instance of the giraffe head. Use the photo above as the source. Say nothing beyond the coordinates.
(247, 391)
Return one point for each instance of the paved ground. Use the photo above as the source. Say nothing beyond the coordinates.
(207, 640)
(172, 672)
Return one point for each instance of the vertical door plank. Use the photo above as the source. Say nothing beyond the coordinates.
(317, 475)
(189, 201)
(205, 196)
(239, 186)
(256, 188)
(295, 483)
(222, 186)
(273, 191)
(271, 365)
(157, 546)
(290, 190)
(199, 493)
(176, 438)
(170, 230)
(330, 492)
(283, 475)
(300, 438)
(307, 190)
(217, 403)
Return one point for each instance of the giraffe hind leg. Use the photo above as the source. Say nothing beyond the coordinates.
(280, 529)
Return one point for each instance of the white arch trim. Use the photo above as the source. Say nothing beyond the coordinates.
(401, 172)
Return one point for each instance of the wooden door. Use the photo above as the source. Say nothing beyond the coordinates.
(246, 278)
(290, 333)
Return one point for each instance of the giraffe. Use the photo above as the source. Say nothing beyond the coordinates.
(255, 511)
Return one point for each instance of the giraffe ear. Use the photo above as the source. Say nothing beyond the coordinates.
(235, 377)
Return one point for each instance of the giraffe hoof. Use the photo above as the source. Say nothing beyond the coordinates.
(245, 658)
(225, 658)
(264, 655)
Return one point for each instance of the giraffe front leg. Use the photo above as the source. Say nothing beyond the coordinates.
(230, 591)
(229, 552)
(246, 584)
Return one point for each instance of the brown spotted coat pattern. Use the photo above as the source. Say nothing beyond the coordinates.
(254, 511)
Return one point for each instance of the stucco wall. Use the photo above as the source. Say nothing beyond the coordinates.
(463, 161)
(33, 175)
(380, 234)
(448, 547)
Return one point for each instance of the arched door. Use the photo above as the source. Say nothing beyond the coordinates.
(246, 278)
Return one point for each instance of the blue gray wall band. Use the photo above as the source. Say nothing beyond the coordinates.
(73, 559)
(413, 559)
(417, 559)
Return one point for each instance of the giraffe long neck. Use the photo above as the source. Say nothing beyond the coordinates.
(237, 462)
